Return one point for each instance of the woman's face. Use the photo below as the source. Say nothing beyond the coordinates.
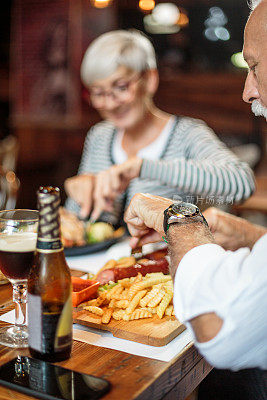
(121, 98)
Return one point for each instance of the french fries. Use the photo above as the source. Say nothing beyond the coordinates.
(164, 304)
(150, 295)
(134, 298)
(94, 310)
(135, 301)
(107, 315)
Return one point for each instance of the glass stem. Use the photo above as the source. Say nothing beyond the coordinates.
(20, 299)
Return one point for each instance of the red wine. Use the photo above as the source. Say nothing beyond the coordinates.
(16, 254)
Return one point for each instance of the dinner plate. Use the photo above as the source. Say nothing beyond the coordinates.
(118, 250)
(91, 248)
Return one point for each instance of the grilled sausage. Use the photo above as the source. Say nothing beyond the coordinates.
(146, 267)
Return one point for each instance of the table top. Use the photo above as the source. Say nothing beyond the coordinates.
(131, 377)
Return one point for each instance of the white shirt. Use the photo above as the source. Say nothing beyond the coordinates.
(154, 149)
(234, 286)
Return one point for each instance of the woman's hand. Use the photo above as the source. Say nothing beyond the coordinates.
(112, 182)
(144, 218)
(98, 192)
(80, 188)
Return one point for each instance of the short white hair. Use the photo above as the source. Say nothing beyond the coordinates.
(111, 50)
(254, 3)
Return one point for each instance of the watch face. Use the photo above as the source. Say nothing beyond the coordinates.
(186, 209)
(178, 212)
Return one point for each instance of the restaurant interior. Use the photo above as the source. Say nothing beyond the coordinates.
(46, 112)
(201, 75)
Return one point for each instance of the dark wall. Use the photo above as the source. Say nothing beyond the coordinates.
(190, 49)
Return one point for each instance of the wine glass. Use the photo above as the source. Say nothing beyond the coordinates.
(18, 236)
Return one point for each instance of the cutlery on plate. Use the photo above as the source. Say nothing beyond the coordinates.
(137, 252)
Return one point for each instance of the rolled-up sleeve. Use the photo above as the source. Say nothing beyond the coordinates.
(234, 286)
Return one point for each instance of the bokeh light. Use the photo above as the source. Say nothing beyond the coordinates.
(166, 14)
(146, 5)
(215, 29)
(101, 3)
(238, 60)
(183, 20)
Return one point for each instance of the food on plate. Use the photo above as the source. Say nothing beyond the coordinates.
(158, 254)
(78, 233)
(119, 232)
(133, 289)
(133, 298)
(127, 267)
(83, 289)
(72, 229)
(98, 232)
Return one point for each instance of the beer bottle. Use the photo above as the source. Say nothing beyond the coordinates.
(49, 286)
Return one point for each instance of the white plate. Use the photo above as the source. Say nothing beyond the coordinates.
(118, 250)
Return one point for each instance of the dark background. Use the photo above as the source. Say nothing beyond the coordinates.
(197, 79)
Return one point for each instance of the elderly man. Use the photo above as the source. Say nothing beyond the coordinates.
(221, 295)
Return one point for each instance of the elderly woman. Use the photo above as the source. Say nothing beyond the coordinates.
(139, 148)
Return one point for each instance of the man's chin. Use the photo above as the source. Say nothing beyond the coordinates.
(258, 109)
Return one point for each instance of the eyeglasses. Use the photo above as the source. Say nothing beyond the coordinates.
(119, 91)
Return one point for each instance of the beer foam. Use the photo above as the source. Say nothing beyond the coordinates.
(18, 242)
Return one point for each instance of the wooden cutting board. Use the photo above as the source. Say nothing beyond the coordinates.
(152, 331)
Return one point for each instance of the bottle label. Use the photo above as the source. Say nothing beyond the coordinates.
(48, 245)
(49, 332)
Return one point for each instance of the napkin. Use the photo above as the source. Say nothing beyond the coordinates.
(106, 339)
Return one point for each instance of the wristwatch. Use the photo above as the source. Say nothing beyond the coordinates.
(179, 212)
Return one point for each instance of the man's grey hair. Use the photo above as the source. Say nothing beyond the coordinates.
(254, 3)
(130, 49)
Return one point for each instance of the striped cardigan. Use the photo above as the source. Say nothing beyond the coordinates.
(194, 164)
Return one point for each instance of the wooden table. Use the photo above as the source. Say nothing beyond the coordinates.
(131, 377)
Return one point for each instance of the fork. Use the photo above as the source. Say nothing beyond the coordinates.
(137, 252)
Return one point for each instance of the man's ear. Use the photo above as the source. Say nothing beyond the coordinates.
(152, 81)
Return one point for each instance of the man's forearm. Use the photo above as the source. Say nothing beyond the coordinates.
(232, 232)
(184, 237)
(249, 233)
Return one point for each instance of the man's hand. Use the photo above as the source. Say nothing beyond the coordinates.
(80, 189)
(144, 218)
(112, 182)
(232, 232)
